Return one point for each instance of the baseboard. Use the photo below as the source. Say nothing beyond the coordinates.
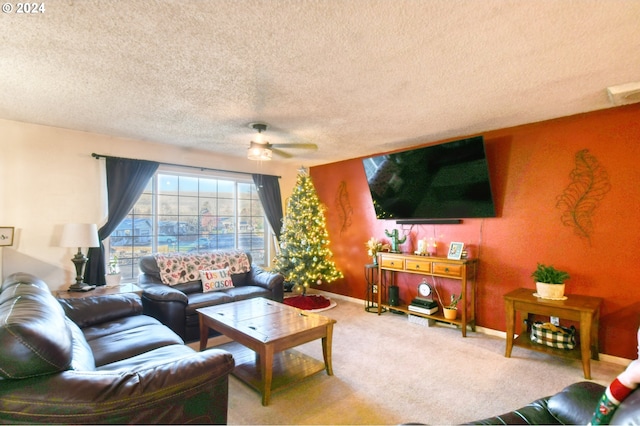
(484, 330)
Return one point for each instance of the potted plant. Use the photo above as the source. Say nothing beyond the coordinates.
(549, 282)
(373, 247)
(451, 310)
(113, 276)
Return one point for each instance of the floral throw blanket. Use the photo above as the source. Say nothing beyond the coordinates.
(177, 268)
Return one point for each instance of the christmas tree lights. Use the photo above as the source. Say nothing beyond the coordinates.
(305, 257)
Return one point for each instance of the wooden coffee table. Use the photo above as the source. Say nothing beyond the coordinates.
(263, 333)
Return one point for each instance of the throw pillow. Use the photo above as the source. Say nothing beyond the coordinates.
(217, 279)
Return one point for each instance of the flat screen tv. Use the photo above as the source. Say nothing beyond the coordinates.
(445, 181)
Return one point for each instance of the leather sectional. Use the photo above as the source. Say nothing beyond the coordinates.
(100, 360)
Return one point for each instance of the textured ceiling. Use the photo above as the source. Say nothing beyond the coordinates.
(355, 77)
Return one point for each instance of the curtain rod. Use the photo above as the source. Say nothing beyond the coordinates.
(98, 156)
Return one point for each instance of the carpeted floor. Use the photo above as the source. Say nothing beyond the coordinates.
(390, 371)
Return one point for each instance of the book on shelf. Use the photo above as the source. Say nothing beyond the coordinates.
(424, 302)
(421, 310)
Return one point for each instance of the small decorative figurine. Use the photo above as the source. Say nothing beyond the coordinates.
(395, 240)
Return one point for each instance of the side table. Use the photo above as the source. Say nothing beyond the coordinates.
(371, 297)
(583, 309)
(100, 291)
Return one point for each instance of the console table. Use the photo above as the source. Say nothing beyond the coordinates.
(583, 309)
(463, 270)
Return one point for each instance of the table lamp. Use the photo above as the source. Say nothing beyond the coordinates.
(80, 235)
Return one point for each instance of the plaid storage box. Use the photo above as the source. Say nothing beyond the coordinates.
(553, 335)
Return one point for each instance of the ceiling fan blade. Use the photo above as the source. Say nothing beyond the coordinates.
(281, 153)
(296, 145)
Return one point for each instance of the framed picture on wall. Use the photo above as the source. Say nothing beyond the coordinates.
(6, 235)
(455, 251)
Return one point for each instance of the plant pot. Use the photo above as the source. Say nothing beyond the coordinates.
(450, 313)
(113, 280)
(550, 291)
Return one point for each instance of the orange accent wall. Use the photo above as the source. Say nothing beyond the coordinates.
(530, 167)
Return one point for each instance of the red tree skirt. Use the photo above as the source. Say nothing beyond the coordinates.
(308, 303)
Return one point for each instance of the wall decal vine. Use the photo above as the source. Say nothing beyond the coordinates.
(589, 184)
(344, 206)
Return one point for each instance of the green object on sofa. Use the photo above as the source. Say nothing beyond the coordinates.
(175, 305)
(100, 360)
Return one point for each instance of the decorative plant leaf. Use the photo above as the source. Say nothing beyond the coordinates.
(589, 185)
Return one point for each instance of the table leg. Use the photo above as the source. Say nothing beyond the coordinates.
(595, 326)
(585, 343)
(204, 333)
(266, 368)
(326, 349)
(511, 320)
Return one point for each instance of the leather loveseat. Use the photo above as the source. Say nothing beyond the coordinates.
(100, 360)
(175, 304)
(574, 405)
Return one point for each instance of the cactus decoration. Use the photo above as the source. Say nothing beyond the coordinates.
(395, 240)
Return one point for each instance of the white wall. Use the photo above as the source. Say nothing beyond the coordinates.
(48, 178)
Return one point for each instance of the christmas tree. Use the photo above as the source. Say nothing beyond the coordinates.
(305, 257)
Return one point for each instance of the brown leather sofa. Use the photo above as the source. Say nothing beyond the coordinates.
(574, 405)
(100, 360)
(175, 306)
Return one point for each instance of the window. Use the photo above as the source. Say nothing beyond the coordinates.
(179, 212)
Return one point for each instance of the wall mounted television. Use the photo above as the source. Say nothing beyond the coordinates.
(441, 183)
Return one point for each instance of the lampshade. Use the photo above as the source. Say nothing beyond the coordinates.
(259, 153)
(80, 235)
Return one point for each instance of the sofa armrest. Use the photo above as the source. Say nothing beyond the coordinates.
(87, 311)
(576, 403)
(534, 413)
(273, 281)
(154, 394)
(166, 304)
(162, 293)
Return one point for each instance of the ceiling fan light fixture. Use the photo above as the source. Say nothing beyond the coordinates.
(258, 149)
(259, 153)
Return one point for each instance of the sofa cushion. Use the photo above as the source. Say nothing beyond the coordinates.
(88, 311)
(34, 336)
(147, 359)
(202, 300)
(216, 280)
(114, 342)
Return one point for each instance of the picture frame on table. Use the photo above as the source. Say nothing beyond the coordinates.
(455, 251)
(6, 235)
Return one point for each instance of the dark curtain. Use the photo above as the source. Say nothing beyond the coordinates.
(269, 193)
(126, 179)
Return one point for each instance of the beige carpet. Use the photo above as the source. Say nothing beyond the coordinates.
(390, 371)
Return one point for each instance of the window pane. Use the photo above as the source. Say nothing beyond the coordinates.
(167, 184)
(188, 205)
(188, 185)
(244, 191)
(144, 205)
(226, 188)
(208, 187)
(226, 207)
(168, 204)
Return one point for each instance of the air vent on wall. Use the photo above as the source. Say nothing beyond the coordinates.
(624, 94)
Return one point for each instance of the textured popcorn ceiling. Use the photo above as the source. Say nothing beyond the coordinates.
(356, 77)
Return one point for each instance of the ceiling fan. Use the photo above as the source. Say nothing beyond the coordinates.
(261, 149)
